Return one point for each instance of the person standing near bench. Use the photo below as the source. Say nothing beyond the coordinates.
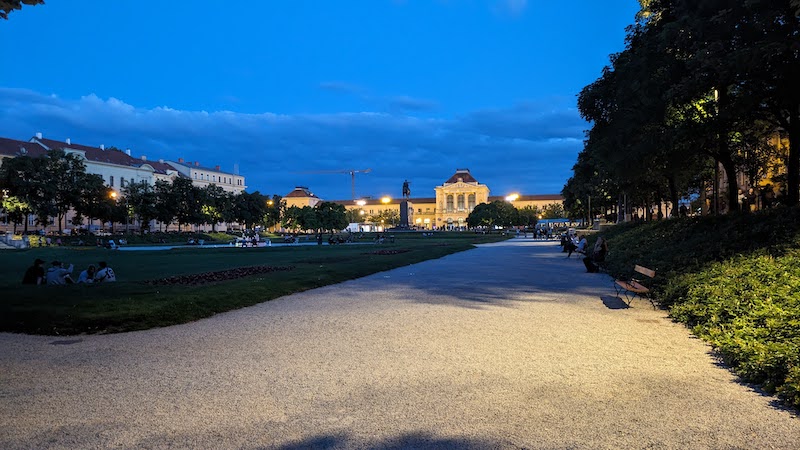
(592, 262)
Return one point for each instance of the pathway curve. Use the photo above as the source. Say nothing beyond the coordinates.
(510, 345)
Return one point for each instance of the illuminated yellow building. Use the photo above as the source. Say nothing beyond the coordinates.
(448, 210)
(301, 196)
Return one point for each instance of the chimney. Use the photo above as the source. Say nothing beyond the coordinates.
(69, 142)
(144, 158)
(102, 147)
(197, 163)
(38, 135)
(180, 160)
(216, 168)
(128, 151)
(161, 161)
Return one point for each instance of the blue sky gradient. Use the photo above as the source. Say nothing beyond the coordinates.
(411, 89)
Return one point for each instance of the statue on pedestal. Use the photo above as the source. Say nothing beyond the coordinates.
(406, 190)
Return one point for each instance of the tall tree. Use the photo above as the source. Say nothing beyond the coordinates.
(331, 216)
(166, 202)
(142, 200)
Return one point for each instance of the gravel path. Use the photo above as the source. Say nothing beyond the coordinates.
(510, 345)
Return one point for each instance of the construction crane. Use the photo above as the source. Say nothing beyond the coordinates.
(352, 173)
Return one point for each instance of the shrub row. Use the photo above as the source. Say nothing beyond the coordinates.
(735, 280)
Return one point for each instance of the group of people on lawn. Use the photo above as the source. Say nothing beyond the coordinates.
(57, 275)
(579, 244)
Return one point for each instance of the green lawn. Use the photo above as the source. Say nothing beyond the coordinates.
(134, 304)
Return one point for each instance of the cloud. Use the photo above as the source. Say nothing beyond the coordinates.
(397, 103)
(406, 103)
(528, 147)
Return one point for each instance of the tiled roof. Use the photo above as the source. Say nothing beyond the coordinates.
(301, 192)
(196, 166)
(108, 156)
(465, 176)
(13, 147)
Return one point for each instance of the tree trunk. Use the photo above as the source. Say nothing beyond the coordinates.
(733, 186)
(793, 161)
(673, 195)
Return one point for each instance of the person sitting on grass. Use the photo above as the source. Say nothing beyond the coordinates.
(598, 255)
(87, 276)
(105, 274)
(58, 275)
(35, 273)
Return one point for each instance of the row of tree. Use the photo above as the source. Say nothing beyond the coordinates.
(701, 84)
(503, 214)
(48, 187)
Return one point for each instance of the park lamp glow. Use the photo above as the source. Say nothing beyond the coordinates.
(386, 200)
(512, 197)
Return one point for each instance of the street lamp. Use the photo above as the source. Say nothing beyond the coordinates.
(125, 205)
(385, 200)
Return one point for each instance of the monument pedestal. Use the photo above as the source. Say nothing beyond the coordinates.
(403, 214)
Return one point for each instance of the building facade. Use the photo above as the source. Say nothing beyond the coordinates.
(119, 169)
(454, 200)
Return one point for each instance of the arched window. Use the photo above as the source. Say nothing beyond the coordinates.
(449, 207)
(461, 202)
(471, 202)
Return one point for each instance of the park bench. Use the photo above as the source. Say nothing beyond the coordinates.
(634, 287)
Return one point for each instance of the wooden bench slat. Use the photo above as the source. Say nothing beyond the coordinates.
(645, 271)
(634, 287)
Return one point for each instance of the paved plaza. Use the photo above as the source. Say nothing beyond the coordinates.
(510, 345)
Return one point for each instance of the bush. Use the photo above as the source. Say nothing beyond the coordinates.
(735, 280)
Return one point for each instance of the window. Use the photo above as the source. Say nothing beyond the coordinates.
(449, 207)
(461, 202)
(195, 175)
(471, 202)
(419, 211)
(111, 181)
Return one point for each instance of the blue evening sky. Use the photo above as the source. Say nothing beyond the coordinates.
(412, 89)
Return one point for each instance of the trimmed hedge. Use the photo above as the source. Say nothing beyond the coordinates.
(735, 280)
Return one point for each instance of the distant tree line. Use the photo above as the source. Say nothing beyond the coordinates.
(701, 84)
(324, 217)
(503, 214)
(48, 187)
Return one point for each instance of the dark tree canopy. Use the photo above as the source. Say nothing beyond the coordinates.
(6, 6)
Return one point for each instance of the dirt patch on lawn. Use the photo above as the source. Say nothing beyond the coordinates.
(215, 277)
